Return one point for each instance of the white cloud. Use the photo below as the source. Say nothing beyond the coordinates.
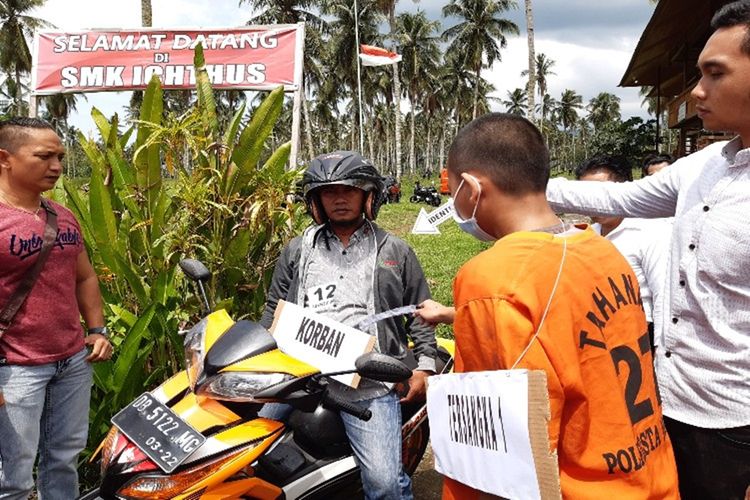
(583, 66)
(587, 70)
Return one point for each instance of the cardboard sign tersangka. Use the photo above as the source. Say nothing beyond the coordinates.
(326, 344)
(489, 431)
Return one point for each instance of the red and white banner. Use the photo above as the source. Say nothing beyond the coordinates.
(377, 56)
(253, 58)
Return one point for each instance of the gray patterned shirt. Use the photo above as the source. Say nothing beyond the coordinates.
(339, 283)
(339, 280)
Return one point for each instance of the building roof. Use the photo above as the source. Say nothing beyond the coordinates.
(669, 46)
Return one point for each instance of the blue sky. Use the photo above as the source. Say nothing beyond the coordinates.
(590, 41)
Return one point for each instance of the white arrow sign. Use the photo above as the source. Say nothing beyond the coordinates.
(428, 223)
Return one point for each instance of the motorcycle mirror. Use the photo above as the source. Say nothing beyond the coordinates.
(195, 270)
(378, 366)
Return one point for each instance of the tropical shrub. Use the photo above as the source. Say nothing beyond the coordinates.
(226, 201)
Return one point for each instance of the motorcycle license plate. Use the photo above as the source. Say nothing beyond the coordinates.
(158, 432)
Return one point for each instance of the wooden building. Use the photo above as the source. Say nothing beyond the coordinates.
(666, 60)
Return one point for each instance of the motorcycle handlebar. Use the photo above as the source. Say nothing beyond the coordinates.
(338, 403)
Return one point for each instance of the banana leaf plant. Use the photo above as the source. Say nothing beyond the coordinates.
(170, 187)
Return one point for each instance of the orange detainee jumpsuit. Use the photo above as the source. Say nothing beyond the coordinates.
(606, 420)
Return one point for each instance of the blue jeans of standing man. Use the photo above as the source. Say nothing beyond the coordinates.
(46, 410)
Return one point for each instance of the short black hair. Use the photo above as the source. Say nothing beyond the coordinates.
(617, 166)
(507, 148)
(13, 130)
(734, 14)
(655, 159)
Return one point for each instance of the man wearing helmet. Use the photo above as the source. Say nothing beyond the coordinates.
(347, 268)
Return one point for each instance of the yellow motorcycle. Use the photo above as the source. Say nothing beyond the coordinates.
(199, 436)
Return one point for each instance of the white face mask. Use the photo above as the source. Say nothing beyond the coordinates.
(471, 226)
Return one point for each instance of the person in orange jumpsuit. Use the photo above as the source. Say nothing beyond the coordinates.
(555, 297)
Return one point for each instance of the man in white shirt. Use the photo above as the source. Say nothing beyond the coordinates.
(643, 242)
(703, 364)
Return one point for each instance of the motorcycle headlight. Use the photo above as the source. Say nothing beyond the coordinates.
(240, 386)
(194, 351)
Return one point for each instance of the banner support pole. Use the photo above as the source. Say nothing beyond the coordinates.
(297, 101)
(33, 105)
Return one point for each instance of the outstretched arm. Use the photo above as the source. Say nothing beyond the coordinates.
(650, 197)
(434, 313)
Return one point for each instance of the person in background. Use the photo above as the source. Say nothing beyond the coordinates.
(643, 242)
(655, 162)
(45, 371)
(556, 297)
(347, 268)
(702, 364)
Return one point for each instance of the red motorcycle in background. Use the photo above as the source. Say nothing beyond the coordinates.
(391, 189)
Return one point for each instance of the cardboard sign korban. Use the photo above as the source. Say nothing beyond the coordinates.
(489, 431)
(327, 345)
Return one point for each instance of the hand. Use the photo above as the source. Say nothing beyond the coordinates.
(101, 349)
(416, 385)
(433, 313)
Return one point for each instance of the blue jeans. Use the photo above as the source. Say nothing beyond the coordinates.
(376, 445)
(46, 410)
(377, 449)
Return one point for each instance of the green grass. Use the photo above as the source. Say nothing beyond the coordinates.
(441, 255)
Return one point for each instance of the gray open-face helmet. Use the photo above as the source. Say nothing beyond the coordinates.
(342, 167)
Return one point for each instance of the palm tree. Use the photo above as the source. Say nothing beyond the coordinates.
(567, 113)
(15, 27)
(146, 13)
(388, 8)
(377, 93)
(516, 102)
(421, 54)
(531, 85)
(455, 90)
(342, 50)
(292, 12)
(284, 12)
(603, 109)
(10, 105)
(59, 107)
(480, 35)
(380, 126)
(568, 106)
(542, 69)
(547, 106)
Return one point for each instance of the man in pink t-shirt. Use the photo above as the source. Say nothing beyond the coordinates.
(45, 372)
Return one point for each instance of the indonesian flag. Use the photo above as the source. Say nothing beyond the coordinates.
(376, 56)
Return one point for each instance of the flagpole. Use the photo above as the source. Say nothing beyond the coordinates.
(359, 80)
(397, 103)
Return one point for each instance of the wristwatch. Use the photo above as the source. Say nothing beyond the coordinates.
(101, 330)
